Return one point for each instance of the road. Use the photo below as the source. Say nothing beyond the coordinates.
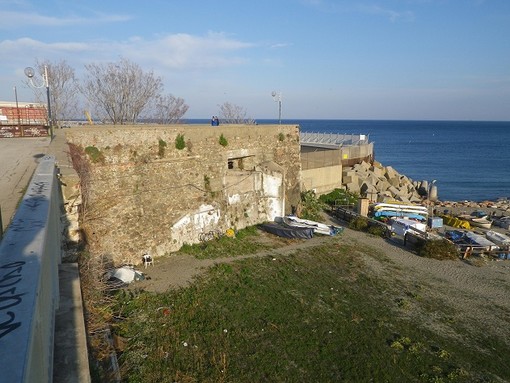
(18, 159)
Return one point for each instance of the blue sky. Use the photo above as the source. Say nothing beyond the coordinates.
(331, 59)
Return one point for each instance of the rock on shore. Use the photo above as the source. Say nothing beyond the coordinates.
(381, 183)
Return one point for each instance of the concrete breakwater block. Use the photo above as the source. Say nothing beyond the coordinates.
(380, 183)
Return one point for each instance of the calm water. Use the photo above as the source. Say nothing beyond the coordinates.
(469, 159)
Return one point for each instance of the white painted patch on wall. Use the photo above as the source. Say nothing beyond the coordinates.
(188, 228)
(233, 199)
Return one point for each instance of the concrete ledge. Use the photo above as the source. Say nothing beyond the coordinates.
(70, 362)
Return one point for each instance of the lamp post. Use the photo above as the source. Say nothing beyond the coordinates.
(429, 190)
(277, 97)
(30, 73)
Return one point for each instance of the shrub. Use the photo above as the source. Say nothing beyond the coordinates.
(161, 148)
(94, 154)
(281, 136)
(223, 141)
(339, 197)
(440, 249)
(359, 223)
(179, 142)
(378, 230)
(311, 206)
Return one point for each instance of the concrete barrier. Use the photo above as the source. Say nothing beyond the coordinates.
(29, 256)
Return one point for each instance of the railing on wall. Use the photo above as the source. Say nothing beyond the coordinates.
(29, 258)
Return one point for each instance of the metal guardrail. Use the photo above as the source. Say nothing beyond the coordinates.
(29, 257)
(332, 140)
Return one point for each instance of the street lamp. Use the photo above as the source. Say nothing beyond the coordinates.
(30, 73)
(429, 191)
(277, 97)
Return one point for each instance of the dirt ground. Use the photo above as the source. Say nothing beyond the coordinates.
(476, 290)
(16, 170)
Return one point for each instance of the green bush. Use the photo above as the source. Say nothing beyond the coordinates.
(223, 141)
(339, 197)
(440, 249)
(179, 142)
(378, 230)
(94, 154)
(311, 206)
(359, 223)
(161, 148)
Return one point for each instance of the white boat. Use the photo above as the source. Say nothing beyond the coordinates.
(318, 227)
(498, 238)
(393, 210)
(401, 207)
(480, 240)
(401, 226)
(481, 222)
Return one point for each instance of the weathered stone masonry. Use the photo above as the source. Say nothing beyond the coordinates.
(147, 195)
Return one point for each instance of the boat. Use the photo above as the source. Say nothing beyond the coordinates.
(498, 238)
(402, 226)
(287, 231)
(503, 222)
(480, 240)
(452, 221)
(401, 206)
(481, 222)
(478, 218)
(318, 227)
(399, 214)
(469, 238)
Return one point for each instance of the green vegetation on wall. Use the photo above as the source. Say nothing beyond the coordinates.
(339, 197)
(223, 141)
(179, 142)
(161, 148)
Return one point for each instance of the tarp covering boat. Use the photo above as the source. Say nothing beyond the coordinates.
(470, 238)
(287, 231)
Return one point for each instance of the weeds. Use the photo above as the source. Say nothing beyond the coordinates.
(314, 316)
(179, 142)
(94, 154)
(161, 148)
(244, 242)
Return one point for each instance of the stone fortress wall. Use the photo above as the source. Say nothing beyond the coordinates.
(140, 192)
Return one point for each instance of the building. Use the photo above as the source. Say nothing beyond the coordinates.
(23, 119)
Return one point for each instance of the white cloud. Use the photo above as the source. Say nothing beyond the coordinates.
(280, 45)
(15, 19)
(392, 15)
(177, 51)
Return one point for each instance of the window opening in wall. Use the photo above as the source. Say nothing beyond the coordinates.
(241, 163)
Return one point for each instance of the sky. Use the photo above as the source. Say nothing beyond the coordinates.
(325, 59)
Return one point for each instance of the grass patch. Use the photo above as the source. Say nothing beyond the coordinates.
(245, 242)
(315, 316)
(95, 154)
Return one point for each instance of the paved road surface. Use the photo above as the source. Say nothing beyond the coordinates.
(18, 159)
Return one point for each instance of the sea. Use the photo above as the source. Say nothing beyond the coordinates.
(470, 160)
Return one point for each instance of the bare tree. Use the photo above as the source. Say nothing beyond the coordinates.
(120, 91)
(167, 109)
(63, 89)
(234, 114)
